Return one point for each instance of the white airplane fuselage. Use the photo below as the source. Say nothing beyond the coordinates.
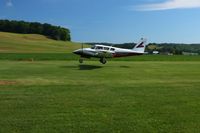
(103, 51)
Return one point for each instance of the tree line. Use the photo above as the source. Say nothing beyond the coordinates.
(51, 31)
(173, 48)
(162, 48)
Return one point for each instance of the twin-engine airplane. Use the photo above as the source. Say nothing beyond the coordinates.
(103, 52)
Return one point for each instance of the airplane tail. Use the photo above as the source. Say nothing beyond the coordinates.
(140, 47)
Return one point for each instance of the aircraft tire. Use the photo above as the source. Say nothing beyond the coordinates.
(103, 60)
(80, 60)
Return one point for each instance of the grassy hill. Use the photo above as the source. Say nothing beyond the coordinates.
(33, 43)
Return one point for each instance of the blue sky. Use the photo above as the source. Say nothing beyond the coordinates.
(115, 21)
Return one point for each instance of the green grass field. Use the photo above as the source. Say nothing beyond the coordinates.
(43, 88)
(121, 96)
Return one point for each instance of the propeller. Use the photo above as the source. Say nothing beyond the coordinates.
(82, 47)
(81, 59)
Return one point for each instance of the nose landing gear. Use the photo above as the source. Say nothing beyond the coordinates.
(81, 60)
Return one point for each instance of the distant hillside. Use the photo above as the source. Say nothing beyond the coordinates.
(33, 43)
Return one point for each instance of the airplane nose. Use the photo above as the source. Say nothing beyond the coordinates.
(77, 52)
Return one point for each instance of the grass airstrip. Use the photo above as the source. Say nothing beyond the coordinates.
(148, 94)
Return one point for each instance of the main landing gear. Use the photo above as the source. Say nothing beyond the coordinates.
(103, 60)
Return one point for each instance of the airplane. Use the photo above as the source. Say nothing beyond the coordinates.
(103, 52)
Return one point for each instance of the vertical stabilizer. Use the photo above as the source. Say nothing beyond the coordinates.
(140, 47)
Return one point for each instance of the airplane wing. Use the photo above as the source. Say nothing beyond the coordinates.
(105, 54)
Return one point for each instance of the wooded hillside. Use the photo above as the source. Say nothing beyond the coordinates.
(54, 32)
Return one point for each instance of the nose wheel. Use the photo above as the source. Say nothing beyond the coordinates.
(103, 60)
(80, 60)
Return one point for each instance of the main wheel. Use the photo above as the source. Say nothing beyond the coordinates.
(103, 60)
(80, 60)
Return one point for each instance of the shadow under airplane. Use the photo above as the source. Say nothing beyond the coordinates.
(88, 67)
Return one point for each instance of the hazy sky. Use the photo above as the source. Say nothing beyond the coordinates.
(114, 21)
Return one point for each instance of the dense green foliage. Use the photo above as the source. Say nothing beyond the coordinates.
(119, 97)
(54, 32)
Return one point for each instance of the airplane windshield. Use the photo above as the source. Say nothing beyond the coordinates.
(106, 48)
(93, 47)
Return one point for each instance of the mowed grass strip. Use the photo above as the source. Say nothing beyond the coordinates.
(38, 56)
(64, 96)
(69, 56)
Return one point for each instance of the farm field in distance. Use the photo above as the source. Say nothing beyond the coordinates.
(121, 96)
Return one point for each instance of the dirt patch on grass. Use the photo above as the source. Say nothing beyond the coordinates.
(4, 82)
(4, 49)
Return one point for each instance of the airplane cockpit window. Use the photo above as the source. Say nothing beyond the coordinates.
(106, 48)
(98, 47)
(93, 47)
(112, 49)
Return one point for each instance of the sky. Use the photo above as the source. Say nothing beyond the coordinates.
(114, 21)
